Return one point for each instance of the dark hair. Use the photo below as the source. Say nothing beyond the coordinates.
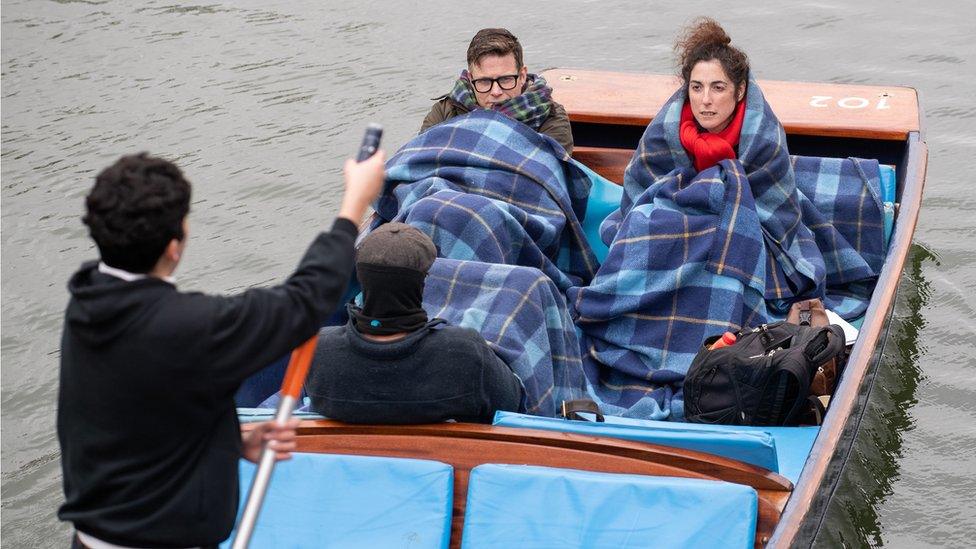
(705, 40)
(498, 42)
(135, 209)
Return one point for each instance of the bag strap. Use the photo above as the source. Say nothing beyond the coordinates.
(809, 312)
(771, 408)
(806, 315)
(571, 408)
(826, 344)
(817, 410)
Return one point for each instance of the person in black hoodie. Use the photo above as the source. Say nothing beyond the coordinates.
(146, 420)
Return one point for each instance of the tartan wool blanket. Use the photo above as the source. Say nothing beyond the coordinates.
(522, 315)
(691, 256)
(487, 188)
(841, 203)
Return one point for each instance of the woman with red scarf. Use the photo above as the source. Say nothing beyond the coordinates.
(715, 75)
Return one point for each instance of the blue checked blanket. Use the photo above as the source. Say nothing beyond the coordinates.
(487, 188)
(795, 268)
(688, 262)
(841, 203)
(695, 254)
(523, 317)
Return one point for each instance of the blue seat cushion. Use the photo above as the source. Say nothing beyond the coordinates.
(888, 194)
(540, 507)
(604, 198)
(779, 449)
(324, 500)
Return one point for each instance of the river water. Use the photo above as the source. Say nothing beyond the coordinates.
(260, 101)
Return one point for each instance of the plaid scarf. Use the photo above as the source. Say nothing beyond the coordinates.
(531, 108)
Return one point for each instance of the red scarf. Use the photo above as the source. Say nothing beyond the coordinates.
(707, 149)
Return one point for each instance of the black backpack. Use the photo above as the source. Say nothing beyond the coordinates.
(761, 379)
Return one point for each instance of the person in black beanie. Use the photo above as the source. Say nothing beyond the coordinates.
(391, 363)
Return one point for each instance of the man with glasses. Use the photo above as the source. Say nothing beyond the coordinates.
(497, 79)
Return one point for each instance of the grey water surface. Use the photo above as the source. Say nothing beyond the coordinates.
(260, 102)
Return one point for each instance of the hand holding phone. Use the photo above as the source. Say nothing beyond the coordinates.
(364, 176)
(371, 142)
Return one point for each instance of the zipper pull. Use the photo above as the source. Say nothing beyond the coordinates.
(764, 336)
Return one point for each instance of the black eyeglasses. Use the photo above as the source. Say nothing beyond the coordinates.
(505, 82)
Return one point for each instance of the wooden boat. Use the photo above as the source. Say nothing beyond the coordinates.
(609, 112)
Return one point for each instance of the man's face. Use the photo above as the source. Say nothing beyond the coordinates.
(495, 66)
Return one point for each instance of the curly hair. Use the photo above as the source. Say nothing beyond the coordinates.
(705, 40)
(498, 42)
(135, 209)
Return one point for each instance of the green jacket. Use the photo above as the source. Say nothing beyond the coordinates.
(556, 126)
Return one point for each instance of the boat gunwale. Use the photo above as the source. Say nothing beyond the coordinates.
(861, 359)
(844, 121)
(476, 443)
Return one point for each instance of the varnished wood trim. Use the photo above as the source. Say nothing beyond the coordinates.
(465, 446)
(608, 162)
(872, 112)
(682, 460)
(845, 397)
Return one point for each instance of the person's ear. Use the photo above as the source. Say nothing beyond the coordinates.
(174, 250)
(741, 92)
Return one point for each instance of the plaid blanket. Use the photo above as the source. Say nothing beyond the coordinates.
(487, 188)
(692, 255)
(841, 203)
(796, 268)
(522, 315)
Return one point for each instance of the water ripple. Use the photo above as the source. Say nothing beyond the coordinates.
(261, 101)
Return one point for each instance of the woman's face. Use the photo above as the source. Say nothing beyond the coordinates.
(713, 96)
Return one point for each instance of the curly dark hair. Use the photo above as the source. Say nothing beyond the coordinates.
(705, 40)
(135, 209)
(498, 42)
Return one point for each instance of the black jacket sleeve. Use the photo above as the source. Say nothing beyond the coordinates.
(258, 326)
(501, 388)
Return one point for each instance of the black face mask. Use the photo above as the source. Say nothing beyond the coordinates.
(392, 300)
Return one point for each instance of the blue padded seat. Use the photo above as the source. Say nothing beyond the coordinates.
(888, 195)
(539, 507)
(780, 449)
(604, 198)
(325, 500)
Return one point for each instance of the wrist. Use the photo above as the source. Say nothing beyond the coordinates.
(353, 210)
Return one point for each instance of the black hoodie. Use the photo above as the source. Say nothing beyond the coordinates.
(146, 420)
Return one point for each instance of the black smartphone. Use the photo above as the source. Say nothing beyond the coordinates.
(371, 142)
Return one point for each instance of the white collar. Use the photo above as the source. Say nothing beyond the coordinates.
(127, 276)
(92, 541)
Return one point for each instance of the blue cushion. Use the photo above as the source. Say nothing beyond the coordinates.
(535, 507)
(604, 198)
(324, 500)
(757, 448)
(779, 449)
(888, 194)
